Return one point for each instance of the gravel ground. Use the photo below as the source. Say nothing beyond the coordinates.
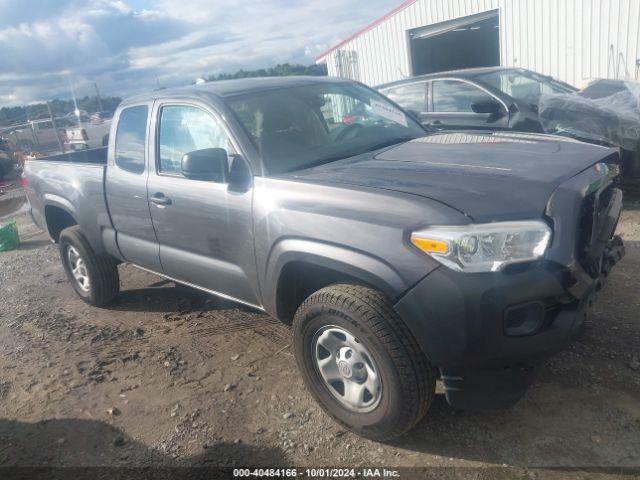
(168, 376)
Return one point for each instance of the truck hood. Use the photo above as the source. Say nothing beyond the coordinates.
(486, 176)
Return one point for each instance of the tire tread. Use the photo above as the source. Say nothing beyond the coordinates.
(417, 376)
(103, 265)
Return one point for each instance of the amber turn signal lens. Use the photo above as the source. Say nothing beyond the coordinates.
(430, 245)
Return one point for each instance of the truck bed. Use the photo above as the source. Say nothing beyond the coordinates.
(73, 183)
(95, 156)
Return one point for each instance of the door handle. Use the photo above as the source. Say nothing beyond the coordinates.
(160, 199)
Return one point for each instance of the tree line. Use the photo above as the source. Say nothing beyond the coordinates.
(24, 113)
(281, 70)
(59, 108)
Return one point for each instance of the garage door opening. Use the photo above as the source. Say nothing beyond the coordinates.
(467, 42)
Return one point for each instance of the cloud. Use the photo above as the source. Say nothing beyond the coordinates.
(130, 45)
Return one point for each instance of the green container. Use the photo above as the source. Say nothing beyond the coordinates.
(9, 239)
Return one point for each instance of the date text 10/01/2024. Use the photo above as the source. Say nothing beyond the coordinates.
(317, 473)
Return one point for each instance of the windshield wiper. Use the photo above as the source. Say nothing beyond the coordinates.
(389, 142)
(321, 161)
(377, 146)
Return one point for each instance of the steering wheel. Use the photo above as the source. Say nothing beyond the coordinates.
(349, 132)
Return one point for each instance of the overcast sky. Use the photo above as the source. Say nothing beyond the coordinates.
(131, 45)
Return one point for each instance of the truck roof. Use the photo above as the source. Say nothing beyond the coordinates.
(231, 88)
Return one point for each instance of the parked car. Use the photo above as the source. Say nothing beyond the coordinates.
(100, 117)
(399, 257)
(493, 98)
(87, 136)
(77, 115)
(607, 112)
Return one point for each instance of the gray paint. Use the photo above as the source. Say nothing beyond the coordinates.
(75, 188)
(354, 216)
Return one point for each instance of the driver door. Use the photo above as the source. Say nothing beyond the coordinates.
(204, 227)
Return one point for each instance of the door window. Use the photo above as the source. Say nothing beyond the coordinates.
(456, 97)
(184, 129)
(130, 139)
(411, 97)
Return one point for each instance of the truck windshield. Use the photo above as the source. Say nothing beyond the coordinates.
(305, 126)
(524, 86)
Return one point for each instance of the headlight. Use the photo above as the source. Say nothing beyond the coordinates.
(484, 247)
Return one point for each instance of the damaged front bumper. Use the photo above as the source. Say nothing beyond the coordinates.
(488, 332)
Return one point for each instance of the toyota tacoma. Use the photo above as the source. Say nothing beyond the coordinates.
(400, 258)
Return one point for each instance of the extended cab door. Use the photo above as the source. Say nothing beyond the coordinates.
(451, 107)
(204, 226)
(126, 187)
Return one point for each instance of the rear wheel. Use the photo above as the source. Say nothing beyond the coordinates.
(361, 363)
(94, 277)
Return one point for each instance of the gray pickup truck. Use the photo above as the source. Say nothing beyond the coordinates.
(400, 258)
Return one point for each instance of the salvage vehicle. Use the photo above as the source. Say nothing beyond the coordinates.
(516, 99)
(400, 258)
(494, 98)
(87, 136)
(607, 112)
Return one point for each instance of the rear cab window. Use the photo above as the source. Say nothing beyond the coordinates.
(131, 139)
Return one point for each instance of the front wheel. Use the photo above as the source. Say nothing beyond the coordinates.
(361, 363)
(94, 277)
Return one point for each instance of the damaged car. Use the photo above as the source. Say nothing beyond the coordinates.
(399, 258)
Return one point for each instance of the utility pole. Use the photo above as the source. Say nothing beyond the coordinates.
(75, 103)
(99, 99)
(55, 128)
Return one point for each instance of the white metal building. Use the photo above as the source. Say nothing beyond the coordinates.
(573, 40)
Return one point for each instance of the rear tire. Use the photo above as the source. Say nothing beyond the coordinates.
(94, 277)
(387, 356)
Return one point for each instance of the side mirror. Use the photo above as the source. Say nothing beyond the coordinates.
(487, 106)
(210, 164)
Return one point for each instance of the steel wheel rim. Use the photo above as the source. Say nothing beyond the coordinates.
(78, 269)
(347, 369)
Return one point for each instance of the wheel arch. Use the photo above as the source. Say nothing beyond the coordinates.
(298, 268)
(59, 214)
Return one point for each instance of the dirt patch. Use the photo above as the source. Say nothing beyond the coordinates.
(196, 380)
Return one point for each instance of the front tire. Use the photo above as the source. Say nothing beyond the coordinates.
(94, 277)
(361, 363)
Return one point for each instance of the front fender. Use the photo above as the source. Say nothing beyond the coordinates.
(362, 266)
